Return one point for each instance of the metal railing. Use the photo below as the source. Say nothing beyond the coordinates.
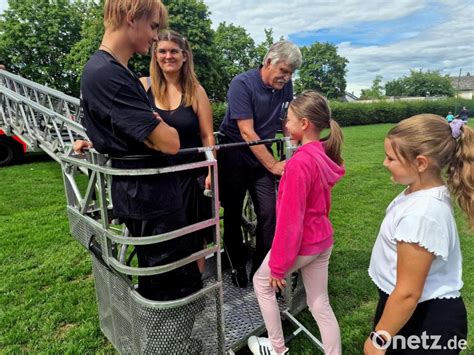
(210, 321)
(134, 324)
(43, 118)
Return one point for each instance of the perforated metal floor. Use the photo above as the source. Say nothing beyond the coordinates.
(242, 317)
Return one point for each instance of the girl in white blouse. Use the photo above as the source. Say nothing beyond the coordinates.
(416, 259)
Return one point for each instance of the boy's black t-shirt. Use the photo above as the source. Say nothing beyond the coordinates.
(118, 117)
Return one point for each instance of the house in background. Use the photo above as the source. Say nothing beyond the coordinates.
(463, 86)
(349, 97)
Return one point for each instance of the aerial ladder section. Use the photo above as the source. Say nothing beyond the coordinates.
(35, 118)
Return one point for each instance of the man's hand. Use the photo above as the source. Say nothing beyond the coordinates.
(278, 167)
(81, 146)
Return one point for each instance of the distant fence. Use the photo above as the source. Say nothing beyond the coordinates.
(402, 98)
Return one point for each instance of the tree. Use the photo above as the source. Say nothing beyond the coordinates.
(191, 19)
(91, 36)
(394, 88)
(419, 83)
(375, 91)
(36, 36)
(236, 51)
(322, 70)
(188, 17)
(265, 45)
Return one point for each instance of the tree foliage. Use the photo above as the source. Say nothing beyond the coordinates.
(191, 19)
(265, 45)
(375, 91)
(236, 54)
(91, 34)
(188, 17)
(419, 83)
(50, 41)
(36, 36)
(322, 70)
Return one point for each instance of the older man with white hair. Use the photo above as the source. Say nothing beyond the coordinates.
(256, 104)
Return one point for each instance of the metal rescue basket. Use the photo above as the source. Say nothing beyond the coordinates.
(217, 319)
(132, 323)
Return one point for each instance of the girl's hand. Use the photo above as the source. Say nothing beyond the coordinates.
(278, 168)
(277, 283)
(370, 349)
(207, 182)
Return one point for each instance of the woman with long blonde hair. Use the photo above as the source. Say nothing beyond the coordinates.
(182, 103)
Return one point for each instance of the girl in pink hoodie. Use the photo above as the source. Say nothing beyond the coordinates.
(304, 234)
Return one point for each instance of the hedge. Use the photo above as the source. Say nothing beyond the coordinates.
(352, 113)
(218, 112)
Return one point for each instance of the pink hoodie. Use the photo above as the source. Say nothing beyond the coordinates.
(303, 205)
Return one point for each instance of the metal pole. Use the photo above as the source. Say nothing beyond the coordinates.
(211, 148)
(457, 93)
(230, 145)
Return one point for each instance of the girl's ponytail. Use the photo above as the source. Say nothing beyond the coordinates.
(333, 142)
(461, 172)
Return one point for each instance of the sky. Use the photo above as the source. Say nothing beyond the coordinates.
(378, 37)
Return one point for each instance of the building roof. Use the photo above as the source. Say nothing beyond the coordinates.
(466, 82)
(351, 95)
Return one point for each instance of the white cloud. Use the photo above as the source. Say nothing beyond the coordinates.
(3, 5)
(291, 16)
(446, 46)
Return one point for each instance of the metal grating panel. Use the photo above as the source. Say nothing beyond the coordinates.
(295, 294)
(242, 312)
(137, 326)
(103, 301)
(82, 231)
(168, 330)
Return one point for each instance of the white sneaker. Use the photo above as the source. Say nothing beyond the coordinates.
(262, 346)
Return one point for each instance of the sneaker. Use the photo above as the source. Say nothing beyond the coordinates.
(239, 277)
(262, 346)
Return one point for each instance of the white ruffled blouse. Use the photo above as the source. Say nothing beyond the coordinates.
(424, 217)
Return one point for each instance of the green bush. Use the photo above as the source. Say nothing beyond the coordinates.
(218, 113)
(352, 114)
(355, 114)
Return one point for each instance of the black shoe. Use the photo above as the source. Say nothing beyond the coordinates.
(239, 277)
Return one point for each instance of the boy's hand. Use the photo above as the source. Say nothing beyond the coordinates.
(80, 146)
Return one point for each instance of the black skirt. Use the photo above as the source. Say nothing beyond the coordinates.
(442, 323)
(197, 207)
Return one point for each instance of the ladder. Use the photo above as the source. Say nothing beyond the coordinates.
(38, 117)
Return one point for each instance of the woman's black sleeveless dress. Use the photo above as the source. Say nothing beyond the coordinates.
(197, 206)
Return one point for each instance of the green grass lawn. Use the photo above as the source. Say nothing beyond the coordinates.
(47, 298)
